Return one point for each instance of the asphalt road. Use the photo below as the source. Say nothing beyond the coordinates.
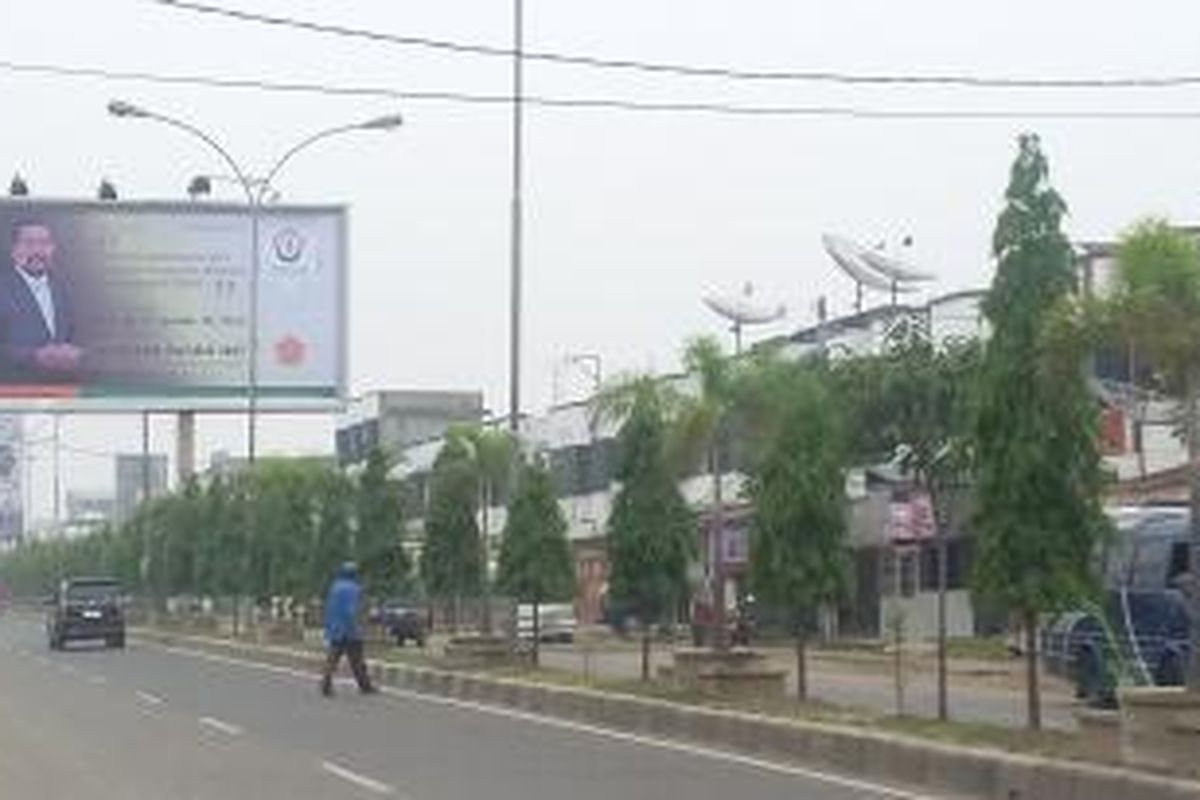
(869, 691)
(160, 723)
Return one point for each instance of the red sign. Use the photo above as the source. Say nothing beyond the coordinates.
(910, 517)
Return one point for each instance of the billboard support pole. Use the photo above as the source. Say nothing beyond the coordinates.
(145, 456)
(57, 477)
(185, 446)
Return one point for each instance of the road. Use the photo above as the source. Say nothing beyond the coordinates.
(163, 723)
(872, 691)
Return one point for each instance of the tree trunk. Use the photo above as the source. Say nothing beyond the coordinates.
(1032, 687)
(1191, 390)
(720, 633)
(801, 665)
(943, 700)
(646, 629)
(486, 612)
(537, 633)
(943, 551)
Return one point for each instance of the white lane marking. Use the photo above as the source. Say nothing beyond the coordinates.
(220, 725)
(42, 661)
(97, 680)
(149, 699)
(67, 669)
(362, 781)
(699, 751)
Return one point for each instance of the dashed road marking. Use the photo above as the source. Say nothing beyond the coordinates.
(699, 751)
(97, 680)
(362, 781)
(149, 699)
(227, 728)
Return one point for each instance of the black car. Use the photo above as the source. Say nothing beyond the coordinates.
(403, 622)
(85, 608)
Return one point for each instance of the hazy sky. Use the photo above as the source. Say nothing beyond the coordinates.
(631, 217)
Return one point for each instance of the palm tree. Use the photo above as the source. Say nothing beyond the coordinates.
(702, 427)
(493, 451)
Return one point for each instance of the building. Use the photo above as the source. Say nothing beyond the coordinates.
(394, 420)
(581, 454)
(135, 476)
(87, 512)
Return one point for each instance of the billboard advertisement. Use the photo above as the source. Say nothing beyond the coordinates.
(113, 306)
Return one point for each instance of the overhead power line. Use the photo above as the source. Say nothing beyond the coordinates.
(596, 103)
(691, 70)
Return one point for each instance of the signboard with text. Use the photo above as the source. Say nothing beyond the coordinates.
(112, 306)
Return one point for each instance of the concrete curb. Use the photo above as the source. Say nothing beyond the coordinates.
(902, 761)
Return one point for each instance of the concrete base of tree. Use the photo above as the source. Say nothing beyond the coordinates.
(479, 650)
(738, 673)
(1162, 728)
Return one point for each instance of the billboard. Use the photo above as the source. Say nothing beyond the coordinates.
(115, 306)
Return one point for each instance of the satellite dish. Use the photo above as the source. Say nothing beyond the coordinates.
(894, 268)
(741, 309)
(870, 269)
(850, 259)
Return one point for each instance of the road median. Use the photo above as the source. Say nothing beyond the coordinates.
(892, 759)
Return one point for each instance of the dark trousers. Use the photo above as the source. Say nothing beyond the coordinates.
(353, 650)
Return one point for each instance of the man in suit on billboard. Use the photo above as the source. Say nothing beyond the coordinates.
(36, 327)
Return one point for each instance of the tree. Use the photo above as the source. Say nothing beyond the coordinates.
(450, 563)
(650, 532)
(703, 423)
(493, 451)
(1037, 467)
(535, 559)
(798, 553)
(332, 535)
(385, 564)
(1156, 307)
(915, 398)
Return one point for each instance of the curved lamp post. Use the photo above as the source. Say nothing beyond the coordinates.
(256, 190)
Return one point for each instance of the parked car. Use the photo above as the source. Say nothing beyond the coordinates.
(556, 622)
(85, 608)
(1140, 631)
(403, 622)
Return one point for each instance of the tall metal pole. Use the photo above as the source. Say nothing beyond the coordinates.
(252, 369)
(145, 456)
(514, 306)
(57, 479)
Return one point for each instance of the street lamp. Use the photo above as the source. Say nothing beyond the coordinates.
(255, 190)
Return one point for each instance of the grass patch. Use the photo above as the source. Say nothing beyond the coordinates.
(992, 648)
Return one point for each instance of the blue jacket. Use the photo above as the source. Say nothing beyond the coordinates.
(341, 609)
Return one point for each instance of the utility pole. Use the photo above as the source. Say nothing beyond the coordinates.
(57, 478)
(515, 214)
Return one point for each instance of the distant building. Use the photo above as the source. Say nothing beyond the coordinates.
(134, 475)
(12, 517)
(394, 420)
(87, 512)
